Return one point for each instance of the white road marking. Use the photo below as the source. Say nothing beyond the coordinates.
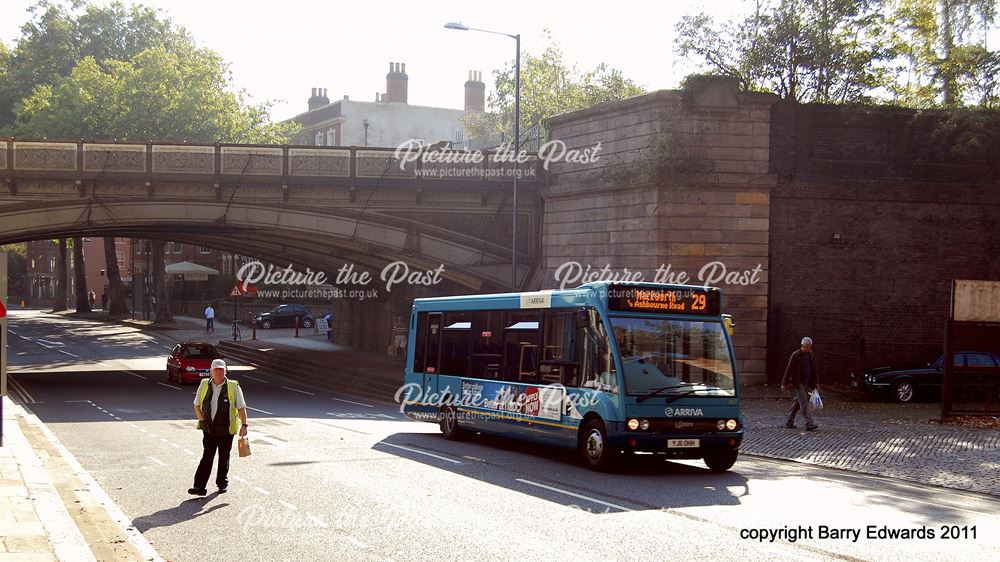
(267, 438)
(355, 403)
(286, 504)
(254, 379)
(188, 452)
(263, 491)
(418, 451)
(319, 522)
(238, 479)
(573, 494)
(142, 430)
(157, 461)
(77, 401)
(175, 445)
(164, 440)
(299, 391)
(168, 385)
(68, 353)
(261, 411)
(49, 342)
(135, 375)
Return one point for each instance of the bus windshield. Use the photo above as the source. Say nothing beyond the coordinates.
(674, 356)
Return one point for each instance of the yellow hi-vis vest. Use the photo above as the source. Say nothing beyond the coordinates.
(234, 412)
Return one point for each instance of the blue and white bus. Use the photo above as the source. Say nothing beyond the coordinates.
(611, 369)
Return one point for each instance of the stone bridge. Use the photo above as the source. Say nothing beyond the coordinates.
(316, 207)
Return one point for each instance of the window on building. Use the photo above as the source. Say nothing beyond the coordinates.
(331, 137)
(204, 250)
(319, 138)
(174, 248)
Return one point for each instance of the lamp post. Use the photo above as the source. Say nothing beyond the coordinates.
(517, 137)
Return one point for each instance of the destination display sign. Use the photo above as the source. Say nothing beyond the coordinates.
(695, 301)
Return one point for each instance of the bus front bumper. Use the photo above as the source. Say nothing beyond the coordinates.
(691, 446)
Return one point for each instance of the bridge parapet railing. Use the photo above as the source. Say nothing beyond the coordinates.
(81, 160)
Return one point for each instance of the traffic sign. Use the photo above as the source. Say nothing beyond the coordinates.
(239, 292)
(236, 292)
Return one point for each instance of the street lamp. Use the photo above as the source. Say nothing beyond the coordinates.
(517, 135)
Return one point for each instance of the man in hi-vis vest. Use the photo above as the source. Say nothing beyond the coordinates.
(222, 413)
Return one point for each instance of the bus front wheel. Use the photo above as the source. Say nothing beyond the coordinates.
(449, 424)
(595, 449)
(721, 461)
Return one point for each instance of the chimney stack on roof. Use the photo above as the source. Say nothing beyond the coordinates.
(475, 92)
(396, 82)
(318, 99)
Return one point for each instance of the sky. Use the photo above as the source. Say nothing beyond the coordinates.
(280, 50)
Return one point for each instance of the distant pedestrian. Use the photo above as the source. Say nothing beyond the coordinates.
(802, 376)
(209, 319)
(104, 301)
(399, 329)
(92, 298)
(222, 413)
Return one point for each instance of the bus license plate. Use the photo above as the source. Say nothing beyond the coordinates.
(683, 443)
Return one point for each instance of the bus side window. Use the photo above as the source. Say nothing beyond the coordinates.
(455, 343)
(559, 358)
(487, 349)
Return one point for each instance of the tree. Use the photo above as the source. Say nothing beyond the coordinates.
(124, 74)
(158, 276)
(827, 51)
(946, 66)
(80, 276)
(61, 289)
(55, 38)
(116, 292)
(549, 86)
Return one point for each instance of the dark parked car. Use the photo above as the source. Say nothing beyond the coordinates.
(905, 385)
(284, 315)
(190, 361)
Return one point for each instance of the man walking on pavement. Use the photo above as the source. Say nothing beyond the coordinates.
(209, 318)
(222, 413)
(802, 375)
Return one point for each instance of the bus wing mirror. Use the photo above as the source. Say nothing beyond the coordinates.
(730, 325)
(582, 319)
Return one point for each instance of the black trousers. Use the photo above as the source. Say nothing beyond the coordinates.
(212, 443)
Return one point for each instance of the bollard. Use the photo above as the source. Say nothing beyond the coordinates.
(296, 326)
(253, 328)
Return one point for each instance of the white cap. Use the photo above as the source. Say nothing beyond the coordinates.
(218, 364)
(805, 340)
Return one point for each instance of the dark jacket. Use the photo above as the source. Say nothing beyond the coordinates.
(794, 369)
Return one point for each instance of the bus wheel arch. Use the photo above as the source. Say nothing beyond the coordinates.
(595, 449)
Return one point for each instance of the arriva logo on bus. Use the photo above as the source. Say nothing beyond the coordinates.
(671, 412)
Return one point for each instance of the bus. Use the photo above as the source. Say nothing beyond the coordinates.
(611, 369)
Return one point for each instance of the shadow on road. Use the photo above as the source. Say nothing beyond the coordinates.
(665, 484)
(186, 511)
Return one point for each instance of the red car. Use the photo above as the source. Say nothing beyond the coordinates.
(190, 361)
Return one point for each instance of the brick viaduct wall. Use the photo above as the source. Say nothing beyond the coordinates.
(853, 221)
(682, 181)
(872, 218)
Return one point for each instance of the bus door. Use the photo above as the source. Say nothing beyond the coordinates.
(433, 353)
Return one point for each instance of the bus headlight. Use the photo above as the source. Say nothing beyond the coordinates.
(720, 425)
(633, 424)
(731, 425)
(644, 424)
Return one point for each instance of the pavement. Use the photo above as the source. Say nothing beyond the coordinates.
(53, 509)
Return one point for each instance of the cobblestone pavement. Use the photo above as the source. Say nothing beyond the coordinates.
(894, 440)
